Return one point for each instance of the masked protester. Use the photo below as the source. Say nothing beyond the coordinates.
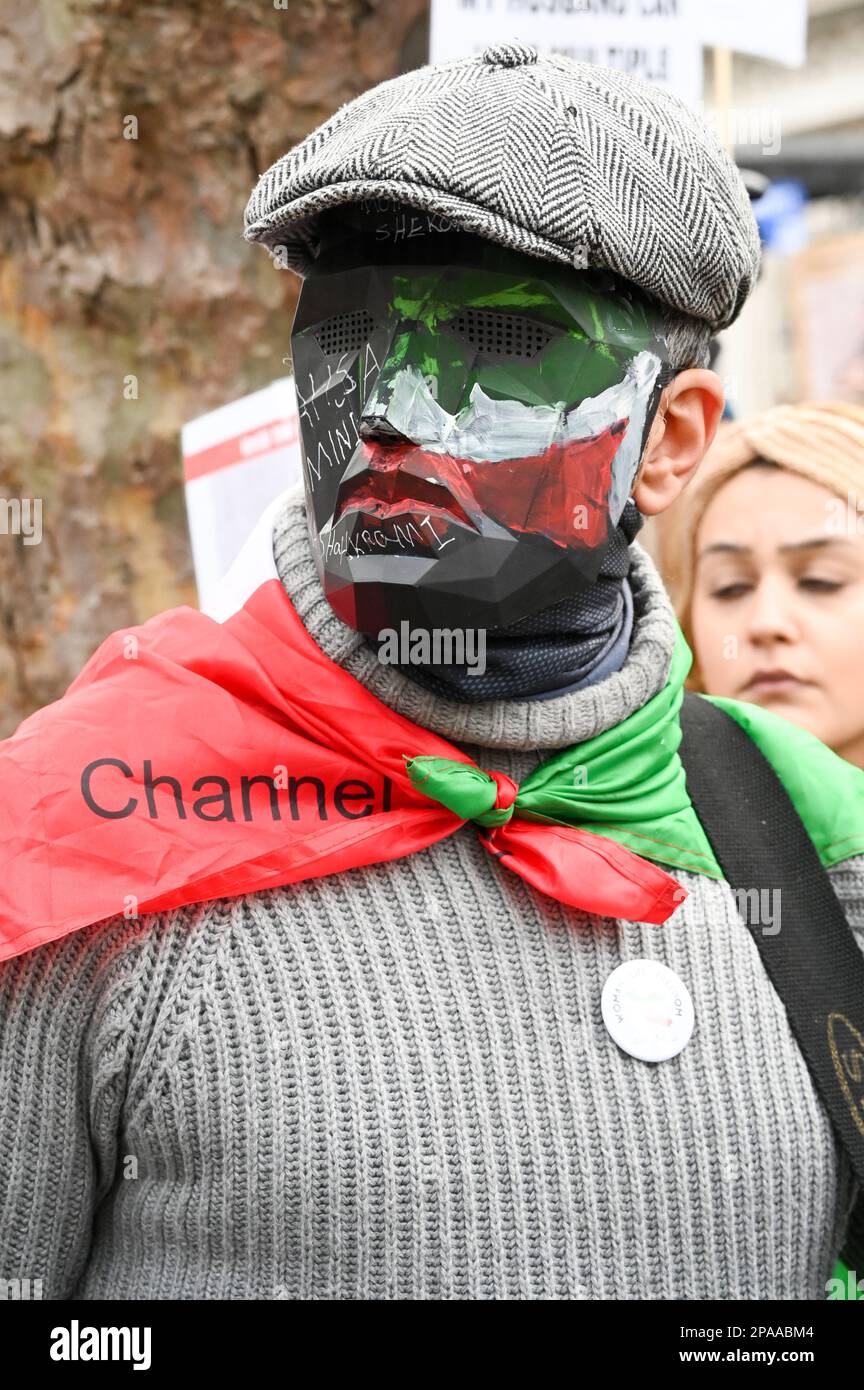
(369, 912)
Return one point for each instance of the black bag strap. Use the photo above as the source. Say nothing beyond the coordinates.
(759, 840)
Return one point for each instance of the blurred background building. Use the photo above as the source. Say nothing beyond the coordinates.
(802, 332)
(130, 138)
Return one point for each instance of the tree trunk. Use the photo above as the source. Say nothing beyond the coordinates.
(130, 139)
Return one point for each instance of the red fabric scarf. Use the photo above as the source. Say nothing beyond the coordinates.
(136, 791)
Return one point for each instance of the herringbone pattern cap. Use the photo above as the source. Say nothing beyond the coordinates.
(559, 159)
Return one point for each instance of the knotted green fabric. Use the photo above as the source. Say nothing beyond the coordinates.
(629, 783)
(468, 792)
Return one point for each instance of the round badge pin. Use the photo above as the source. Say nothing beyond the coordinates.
(648, 1010)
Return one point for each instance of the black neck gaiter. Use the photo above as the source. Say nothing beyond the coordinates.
(571, 644)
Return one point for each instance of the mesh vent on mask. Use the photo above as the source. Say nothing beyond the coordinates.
(345, 333)
(502, 335)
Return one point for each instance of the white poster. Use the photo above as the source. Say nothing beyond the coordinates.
(768, 28)
(658, 40)
(235, 461)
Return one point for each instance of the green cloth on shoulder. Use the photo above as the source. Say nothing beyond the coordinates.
(629, 783)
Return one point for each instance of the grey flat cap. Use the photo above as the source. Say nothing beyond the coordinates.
(559, 159)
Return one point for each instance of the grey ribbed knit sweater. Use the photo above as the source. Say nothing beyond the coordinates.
(396, 1082)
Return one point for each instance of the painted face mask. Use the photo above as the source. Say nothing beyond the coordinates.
(472, 420)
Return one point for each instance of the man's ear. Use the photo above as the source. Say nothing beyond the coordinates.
(682, 432)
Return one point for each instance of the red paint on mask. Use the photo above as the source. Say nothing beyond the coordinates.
(560, 494)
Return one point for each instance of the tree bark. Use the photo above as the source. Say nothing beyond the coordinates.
(130, 138)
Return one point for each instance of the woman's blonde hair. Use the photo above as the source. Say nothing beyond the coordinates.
(820, 440)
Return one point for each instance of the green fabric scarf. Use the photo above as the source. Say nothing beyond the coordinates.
(629, 783)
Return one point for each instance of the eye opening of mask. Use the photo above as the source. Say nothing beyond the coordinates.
(344, 333)
(498, 335)
(503, 335)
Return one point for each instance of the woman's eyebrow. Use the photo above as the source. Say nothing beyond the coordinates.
(727, 547)
(820, 541)
(723, 547)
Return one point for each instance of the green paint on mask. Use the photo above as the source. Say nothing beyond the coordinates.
(416, 300)
(514, 297)
(596, 333)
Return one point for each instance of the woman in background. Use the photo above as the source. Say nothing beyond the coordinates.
(766, 568)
